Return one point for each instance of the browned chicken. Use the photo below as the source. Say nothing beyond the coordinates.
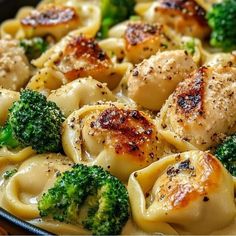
(152, 81)
(143, 40)
(202, 110)
(50, 19)
(185, 16)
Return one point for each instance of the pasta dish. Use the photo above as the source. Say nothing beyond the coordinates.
(119, 117)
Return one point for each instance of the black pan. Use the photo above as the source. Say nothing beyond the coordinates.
(13, 225)
(8, 222)
(8, 8)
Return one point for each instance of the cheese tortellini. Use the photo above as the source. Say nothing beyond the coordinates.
(33, 177)
(78, 93)
(116, 137)
(189, 192)
(202, 110)
(223, 59)
(152, 81)
(142, 95)
(57, 18)
(46, 80)
(7, 98)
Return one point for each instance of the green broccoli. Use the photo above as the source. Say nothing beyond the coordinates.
(9, 173)
(222, 20)
(34, 47)
(88, 196)
(226, 153)
(189, 46)
(33, 121)
(113, 12)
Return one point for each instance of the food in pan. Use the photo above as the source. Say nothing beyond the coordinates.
(118, 117)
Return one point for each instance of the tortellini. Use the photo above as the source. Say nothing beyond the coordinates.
(15, 156)
(152, 81)
(202, 109)
(46, 80)
(14, 66)
(207, 4)
(149, 103)
(80, 56)
(223, 59)
(56, 19)
(186, 17)
(7, 98)
(78, 93)
(33, 177)
(116, 137)
(188, 193)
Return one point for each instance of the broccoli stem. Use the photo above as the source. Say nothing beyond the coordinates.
(7, 138)
(106, 24)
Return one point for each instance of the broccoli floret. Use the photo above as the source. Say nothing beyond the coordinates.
(226, 153)
(34, 47)
(222, 20)
(9, 173)
(101, 197)
(113, 12)
(189, 46)
(33, 121)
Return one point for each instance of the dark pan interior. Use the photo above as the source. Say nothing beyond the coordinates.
(8, 8)
(15, 226)
(10, 223)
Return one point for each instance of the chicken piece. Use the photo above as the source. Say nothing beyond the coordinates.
(151, 82)
(184, 16)
(14, 66)
(221, 58)
(143, 40)
(83, 57)
(50, 19)
(202, 110)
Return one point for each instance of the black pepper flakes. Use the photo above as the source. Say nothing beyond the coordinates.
(206, 199)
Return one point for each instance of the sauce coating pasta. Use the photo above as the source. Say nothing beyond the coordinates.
(142, 94)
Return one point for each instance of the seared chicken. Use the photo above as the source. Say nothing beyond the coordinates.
(185, 16)
(143, 40)
(82, 57)
(202, 110)
(50, 19)
(151, 82)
